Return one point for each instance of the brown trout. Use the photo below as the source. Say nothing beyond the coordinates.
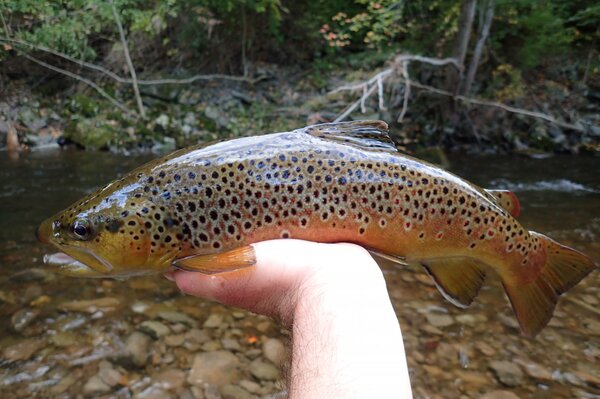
(200, 208)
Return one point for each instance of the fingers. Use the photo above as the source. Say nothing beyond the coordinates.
(281, 273)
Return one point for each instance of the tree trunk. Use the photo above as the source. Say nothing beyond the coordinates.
(465, 26)
(484, 32)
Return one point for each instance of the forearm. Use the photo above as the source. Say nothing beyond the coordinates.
(346, 339)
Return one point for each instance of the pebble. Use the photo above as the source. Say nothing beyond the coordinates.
(500, 395)
(507, 373)
(22, 350)
(508, 321)
(177, 317)
(485, 348)
(274, 351)
(105, 304)
(65, 339)
(109, 375)
(250, 386)
(593, 326)
(137, 348)
(175, 340)
(263, 370)
(155, 329)
(216, 368)
(211, 392)
(535, 370)
(22, 318)
(152, 392)
(197, 336)
(213, 321)
(231, 391)
(170, 379)
(95, 386)
(231, 344)
(439, 320)
(211, 346)
(592, 379)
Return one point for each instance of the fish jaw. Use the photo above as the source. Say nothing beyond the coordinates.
(69, 266)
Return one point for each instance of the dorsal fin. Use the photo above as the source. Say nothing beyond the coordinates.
(365, 134)
(507, 200)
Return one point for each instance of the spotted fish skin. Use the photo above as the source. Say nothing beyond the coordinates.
(326, 183)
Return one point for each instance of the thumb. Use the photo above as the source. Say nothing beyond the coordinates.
(272, 286)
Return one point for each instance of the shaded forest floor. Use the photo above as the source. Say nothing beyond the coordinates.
(48, 111)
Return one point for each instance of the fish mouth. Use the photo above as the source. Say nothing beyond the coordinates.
(70, 266)
(78, 260)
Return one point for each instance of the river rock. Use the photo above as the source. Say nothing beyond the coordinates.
(105, 304)
(155, 329)
(137, 349)
(507, 373)
(535, 370)
(213, 321)
(175, 340)
(274, 350)
(22, 350)
(231, 391)
(109, 375)
(439, 320)
(210, 392)
(263, 370)
(177, 317)
(153, 392)
(65, 339)
(215, 368)
(250, 386)
(500, 395)
(22, 318)
(95, 386)
(231, 344)
(170, 379)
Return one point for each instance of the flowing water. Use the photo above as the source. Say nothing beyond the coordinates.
(64, 337)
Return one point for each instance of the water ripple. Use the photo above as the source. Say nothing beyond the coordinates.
(560, 185)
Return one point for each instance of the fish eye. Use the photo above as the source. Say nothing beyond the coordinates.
(82, 229)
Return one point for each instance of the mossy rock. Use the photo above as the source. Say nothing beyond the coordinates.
(94, 133)
(84, 105)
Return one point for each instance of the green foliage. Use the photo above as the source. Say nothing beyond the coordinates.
(530, 31)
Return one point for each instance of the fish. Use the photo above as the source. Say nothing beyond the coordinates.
(201, 208)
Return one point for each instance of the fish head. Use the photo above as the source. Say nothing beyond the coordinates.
(109, 233)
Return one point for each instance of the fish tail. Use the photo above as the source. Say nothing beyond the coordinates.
(533, 301)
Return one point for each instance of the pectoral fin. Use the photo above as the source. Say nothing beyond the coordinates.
(458, 279)
(239, 258)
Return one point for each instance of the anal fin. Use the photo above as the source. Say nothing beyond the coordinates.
(239, 258)
(457, 279)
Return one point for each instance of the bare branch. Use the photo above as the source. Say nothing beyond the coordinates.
(120, 79)
(136, 89)
(352, 107)
(406, 91)
(369, 86)
(427, 60)
(79, 78)
(380, 94)
(495, 104)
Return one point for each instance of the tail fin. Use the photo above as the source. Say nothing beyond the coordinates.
(534, 301)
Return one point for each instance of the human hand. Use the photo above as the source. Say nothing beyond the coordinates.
(346, 340)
